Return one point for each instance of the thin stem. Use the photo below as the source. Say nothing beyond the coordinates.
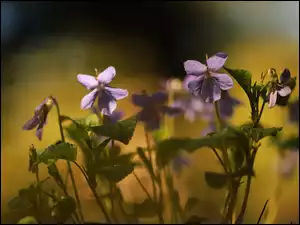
(262, 212)
(260, 113)
(151, 162)
(240, 218)
(98, 200)
(75, 191)
(142, 186)
(112, 191)
(218, 116)
(68, 162)
(220, 160)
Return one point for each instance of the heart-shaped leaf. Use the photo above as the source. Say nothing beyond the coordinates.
(121, 131)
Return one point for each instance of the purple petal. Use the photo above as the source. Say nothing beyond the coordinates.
(225, 82)
(117, 93)
(153, 124)
(190, 115)
(195, 68)
(39, 130)
(195, 86)
(159, 97)
(170, 111)
(285, 76)
(106, 103)
(89, 99)
(272, 99)
(211, 128)
(88, 81)
(284, 91)
(116, 116)
(107, 75)
(217, 61)
(32, 123)
(196, 104)
(186, 81)
(140, 100)
(210, 91)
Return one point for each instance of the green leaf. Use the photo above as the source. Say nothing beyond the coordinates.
(121, 131)
(146, 209)
(216, 180)
(259, 133)
(116, 173)
(28, 220)
(64, 151)
(63, 209)
(190, 204)
(243, 77)
(291, 143)
(54, 173)
(230, 136)
(146, 162)
(102, 146)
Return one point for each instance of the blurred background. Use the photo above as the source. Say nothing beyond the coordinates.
(44, 45)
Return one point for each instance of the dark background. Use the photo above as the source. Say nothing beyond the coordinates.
(162, 23)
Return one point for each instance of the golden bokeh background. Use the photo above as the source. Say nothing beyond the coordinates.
(51, 68)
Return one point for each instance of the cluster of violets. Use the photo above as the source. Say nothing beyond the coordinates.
(204, 83)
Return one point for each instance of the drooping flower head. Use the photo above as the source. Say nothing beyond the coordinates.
(107, 96)
(208, 82)
(39, 118)
(194, 106)
(294, 111)
(153, 108)
(277, 88)
(227, 104)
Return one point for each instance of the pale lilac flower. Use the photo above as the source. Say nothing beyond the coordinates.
(107, 95)
(208, 82)
(278, 89)
(294, 111)
(193, 107)
(288, 163)
(39, 118)
(227, 105)
(153, 108)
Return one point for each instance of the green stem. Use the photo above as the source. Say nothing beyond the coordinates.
(220, 160)
(161, 199)
(260, 114)
(68, 162)
(98, 200)
(151, 162)
(142, 186)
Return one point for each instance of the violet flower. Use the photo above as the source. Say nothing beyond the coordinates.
(107, 95)
(209, 129)
(227, 105)
(208, 82)
(294, 111)
(278, 89)
(153, 108)
(179, 162)
(39, 118)
(114, 117)
(192, 107)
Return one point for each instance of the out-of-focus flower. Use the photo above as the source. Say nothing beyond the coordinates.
(278, 88)
(227, 105)
(152, 108)
(209, 129)
(179, 162)
(208, 82)
(107, 96)
(172, 84)
(294, 111)
(39, 118)
(194, 106)
(288, 163)
(114, 117)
